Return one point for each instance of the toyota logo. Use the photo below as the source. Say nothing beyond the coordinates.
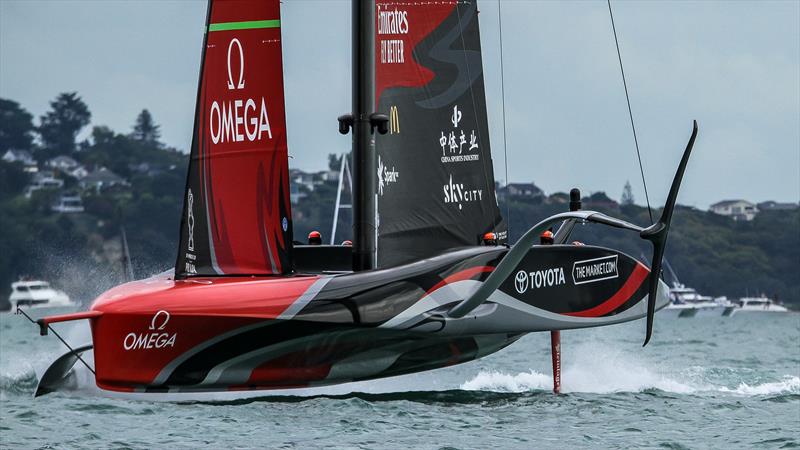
(521, 281)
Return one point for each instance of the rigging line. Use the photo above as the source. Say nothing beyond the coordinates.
(471, 91)
(503, 102)
(630, 113)
(71, 350)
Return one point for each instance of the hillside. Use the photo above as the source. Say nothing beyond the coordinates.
(133, 180)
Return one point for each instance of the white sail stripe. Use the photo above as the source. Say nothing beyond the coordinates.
(165, 373)
(237, 370)
(303, 300)
(269, 250)
(448, 293)
(211, 250)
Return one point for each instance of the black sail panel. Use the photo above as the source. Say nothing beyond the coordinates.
(435, 177)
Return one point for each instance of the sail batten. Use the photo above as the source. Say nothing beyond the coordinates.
(237, 218)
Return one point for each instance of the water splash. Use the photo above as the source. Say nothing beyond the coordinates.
(600, 369)
(789, 384)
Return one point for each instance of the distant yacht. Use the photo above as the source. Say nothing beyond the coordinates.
(36, 294)
(687, 302)
(759, 304)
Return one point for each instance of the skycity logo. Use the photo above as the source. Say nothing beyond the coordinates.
(156, 338)
(238, 119)
(458, 193)
(538, 279)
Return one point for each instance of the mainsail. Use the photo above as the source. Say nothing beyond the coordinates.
(236, 215)
(435, 178)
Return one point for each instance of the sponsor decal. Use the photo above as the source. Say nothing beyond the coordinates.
(157, 337)
(394, 120)
(596, 269)
(240, 84)
(521, 281)
(456, 117)
(392, 22)
(385, 175)
(285, 224)
(460, 194)
(190, 220)
(189, 266)
(456, 145)
(524, 280)
(239, 119)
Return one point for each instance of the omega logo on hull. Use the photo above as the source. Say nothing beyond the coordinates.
(157, 338)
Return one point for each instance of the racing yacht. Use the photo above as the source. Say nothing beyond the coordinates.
(246, 309)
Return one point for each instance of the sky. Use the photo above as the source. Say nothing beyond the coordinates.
(732, 65)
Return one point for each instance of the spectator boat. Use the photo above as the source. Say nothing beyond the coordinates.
(36, 294)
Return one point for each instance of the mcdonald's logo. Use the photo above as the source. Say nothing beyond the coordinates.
(394, 121)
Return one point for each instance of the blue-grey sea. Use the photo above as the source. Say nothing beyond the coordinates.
(702, 383)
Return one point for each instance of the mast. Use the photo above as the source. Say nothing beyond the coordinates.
(363, 121)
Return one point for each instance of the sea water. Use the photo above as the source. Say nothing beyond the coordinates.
(726, 382)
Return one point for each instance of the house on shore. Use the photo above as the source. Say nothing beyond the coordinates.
(23, 157)
(735, 209)
(777, 206)
(100, 179)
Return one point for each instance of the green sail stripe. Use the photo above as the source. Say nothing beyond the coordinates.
(227, 26)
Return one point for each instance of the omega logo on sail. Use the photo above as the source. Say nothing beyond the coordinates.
(239, 119)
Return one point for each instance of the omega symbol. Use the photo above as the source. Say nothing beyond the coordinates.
(239, 85)
(155, 320)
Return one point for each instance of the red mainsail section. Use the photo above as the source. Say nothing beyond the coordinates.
(237, 218)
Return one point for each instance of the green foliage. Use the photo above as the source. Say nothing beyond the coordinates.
(60, 126)
(627, 195)
(13, 179)
(145, 130)
(16, 127)
(711, 253)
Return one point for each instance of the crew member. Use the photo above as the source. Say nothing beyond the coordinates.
(490, 238)
(546, 238)
(347, 243)
(314, 238)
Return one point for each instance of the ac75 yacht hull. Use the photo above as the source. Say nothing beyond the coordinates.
(163, 335)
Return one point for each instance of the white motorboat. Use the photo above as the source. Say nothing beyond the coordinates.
(759, 304)
(687, 302)
(36, 294)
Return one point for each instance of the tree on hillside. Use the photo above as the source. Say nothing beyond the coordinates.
(627, 195)
(16, 126)
(60, 126)
(13, 179)
(145, 130)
